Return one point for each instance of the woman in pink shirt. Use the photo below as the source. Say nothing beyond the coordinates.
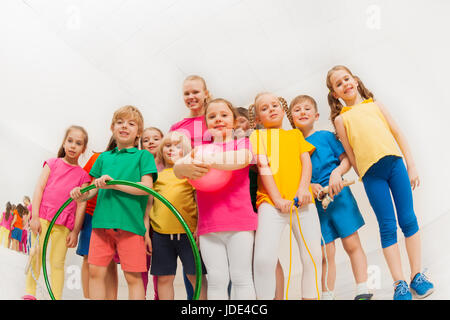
(58, 177)
(196, 96)
(226, 220)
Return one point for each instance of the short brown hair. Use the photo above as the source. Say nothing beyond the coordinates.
(301, 98)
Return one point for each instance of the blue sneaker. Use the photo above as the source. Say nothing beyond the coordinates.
(421, 286)
(402, 291)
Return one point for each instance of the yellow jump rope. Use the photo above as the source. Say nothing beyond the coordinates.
(322, 196)
(295, 205)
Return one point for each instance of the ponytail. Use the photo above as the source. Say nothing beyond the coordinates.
(287, 111)
(252, 116)
(335, 106)
(8, 211)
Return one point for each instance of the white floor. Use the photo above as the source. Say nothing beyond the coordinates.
(436, 258)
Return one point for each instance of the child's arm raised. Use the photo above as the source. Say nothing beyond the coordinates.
(267, 179)
(404, 146)
(303, 194)
(340, 130)
(35, 224)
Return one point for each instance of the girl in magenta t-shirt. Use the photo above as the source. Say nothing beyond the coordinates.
(5, 225)
(226, 221)
(58, 177)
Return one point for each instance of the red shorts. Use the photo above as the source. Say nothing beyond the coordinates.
(129, 246)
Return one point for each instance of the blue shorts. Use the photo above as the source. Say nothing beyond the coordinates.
(342, 217)
(166, 248)
(85, 236)
(16, 234)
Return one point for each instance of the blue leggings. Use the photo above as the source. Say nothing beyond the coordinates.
(388, 175)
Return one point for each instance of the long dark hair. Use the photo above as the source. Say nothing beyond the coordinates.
(21, 210)
(8, 210)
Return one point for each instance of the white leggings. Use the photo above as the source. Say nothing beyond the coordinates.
(225, 255)
(271, 223)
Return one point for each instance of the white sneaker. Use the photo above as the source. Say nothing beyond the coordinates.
(327, 295)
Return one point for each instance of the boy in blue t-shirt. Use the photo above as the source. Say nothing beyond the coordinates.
(342, 218)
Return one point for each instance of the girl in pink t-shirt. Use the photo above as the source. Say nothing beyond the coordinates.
(58, 177)
(5, 225)
(226, 221)
(196, 96)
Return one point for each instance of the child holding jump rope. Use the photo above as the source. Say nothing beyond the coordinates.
(243, 130)
(118, 220)
(226, 221)
(58, 177)
(371, 139)
(342, 217)
(284, 164)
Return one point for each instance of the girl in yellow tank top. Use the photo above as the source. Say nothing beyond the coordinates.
(375, 145)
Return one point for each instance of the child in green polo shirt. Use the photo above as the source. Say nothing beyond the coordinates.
(118, 220)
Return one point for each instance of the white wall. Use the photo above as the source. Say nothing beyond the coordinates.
(75, 62)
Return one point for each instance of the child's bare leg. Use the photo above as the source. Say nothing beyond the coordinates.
(279, 276)
(192, 278)
(165, 287)
(329, 276)
(111, 281)
(352, 245)
(392, 256)
(135, 285)
(97, 288)
(85, 277)
(414, 249)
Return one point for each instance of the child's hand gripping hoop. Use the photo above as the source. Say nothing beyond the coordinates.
(323, 196)
(198, 267)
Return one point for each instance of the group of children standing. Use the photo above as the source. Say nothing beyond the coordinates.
(14, 225)
(238, 228)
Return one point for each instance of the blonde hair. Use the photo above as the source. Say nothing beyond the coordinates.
(132, 112)
(61, 151)
(335, 105)
(174, 136)
(253, 110)
(26, 199)
(205, 88)
(301, 98)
